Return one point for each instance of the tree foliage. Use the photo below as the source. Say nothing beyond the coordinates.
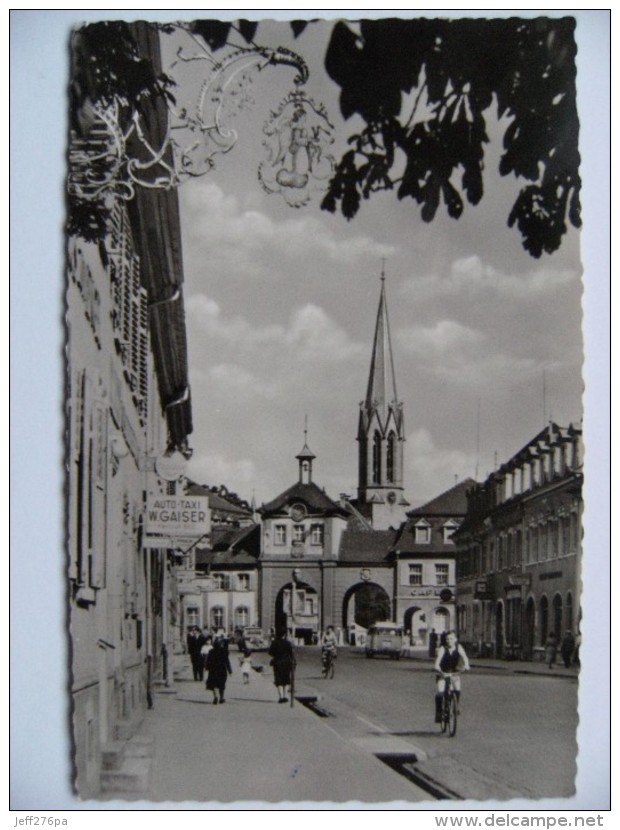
(426, 89)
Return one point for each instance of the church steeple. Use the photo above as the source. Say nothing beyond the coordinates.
(381, 431)
(381, 390)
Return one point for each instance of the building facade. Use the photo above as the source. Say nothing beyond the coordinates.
(425, 566)
(127, 404)
(519, 549)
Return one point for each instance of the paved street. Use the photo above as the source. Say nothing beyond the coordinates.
(366, 736)
(516, 734)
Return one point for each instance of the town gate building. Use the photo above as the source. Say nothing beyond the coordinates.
(325, 562)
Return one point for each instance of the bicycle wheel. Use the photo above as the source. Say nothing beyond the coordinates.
(330, 671)
(452, 716)
(445, 703)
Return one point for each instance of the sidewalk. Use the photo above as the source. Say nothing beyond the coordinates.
(254, 749)
(514, 666)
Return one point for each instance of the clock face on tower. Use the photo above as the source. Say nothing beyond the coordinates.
(298, 512)
(391, 497)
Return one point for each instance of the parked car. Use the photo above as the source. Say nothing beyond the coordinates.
(253, 639)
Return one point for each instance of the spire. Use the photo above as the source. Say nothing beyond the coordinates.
(381, 390)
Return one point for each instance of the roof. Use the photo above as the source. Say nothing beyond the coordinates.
(365, 546)
(218, 501)
(381, 391)
(452, 502)
(231, 546)
(315, 500)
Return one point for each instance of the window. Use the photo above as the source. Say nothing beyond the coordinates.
(279, 535)
(422, 534)
(217, 617)
(242, 616)
(441, 574)
(243, 581)
(448, 530)
(221, 582)
(192, 616)
(309, 607)
(376, 458)
(391, 443)
(298, 533)
(316, 535)
(415, 574)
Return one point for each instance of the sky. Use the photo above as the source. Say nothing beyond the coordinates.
(281, 305)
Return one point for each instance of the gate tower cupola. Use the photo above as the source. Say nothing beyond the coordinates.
(381, 432)
(305, 458)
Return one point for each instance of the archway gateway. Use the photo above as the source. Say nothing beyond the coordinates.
(301, 616)
(364, 604)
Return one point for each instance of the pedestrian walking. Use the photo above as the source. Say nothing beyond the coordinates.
(195, 642)
(206, 648)
(246, 666)
(551, 649)
(432, 643)
(218, 669)
(282, 662)
(567, 648)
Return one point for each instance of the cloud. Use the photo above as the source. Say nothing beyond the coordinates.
(243, 243)
(211, 469)
(310, 334)
(452, 352)
(432, 469)
(471, 276)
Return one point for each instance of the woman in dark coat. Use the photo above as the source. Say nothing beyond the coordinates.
(218, 668)
(283, 662)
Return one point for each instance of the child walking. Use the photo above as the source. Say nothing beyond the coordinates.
(246, 666)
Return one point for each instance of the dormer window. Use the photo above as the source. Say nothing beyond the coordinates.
(422, 533)
(448, 529)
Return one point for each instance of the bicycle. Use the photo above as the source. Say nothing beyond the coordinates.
(449, 708)
(327, 660)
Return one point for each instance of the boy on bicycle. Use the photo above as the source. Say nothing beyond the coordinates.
(329, 643)
(451, 659)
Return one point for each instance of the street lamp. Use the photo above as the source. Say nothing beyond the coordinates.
(295, 579)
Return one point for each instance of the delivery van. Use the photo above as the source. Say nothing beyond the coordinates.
(385, 638)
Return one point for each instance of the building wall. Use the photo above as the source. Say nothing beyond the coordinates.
(107, 411)
(519, 550)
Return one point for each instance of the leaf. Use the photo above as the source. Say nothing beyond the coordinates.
(247, 29)
(213, 32)
(298, 27)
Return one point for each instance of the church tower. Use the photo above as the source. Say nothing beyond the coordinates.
(381, 434)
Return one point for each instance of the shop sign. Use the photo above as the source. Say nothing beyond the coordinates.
(424, 592)
(178, 516)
